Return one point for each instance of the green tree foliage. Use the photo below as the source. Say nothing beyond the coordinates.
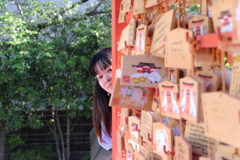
(44, 55)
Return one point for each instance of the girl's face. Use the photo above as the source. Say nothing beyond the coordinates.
(104, 78)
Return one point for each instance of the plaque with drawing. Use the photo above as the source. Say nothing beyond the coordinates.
(132, 97)
(142, 71)
(141, 39)
(169, 99)
(134, 128)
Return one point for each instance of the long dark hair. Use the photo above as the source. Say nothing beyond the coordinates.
(102, 113)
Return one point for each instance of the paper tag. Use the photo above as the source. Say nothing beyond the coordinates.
(162, 27)
(138, 7)
(121, 16)
(236, 21)
(169, 99)
(126, 5)
(183, 149)
(222, 14)
(193, 2)
(189, 99)
(141, 37)
(195, 134)
(139, 70)
(235, 80)
(119, 142)
(217, 114)
(162, 136)
(134, 127)
(146, 125)
(177, 49)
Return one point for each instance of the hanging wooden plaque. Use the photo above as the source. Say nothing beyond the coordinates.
(177, 49)
(138, 7)
(222, 14)
(132, 97)
(189, 99)
(121, 16)
(183, 149)
(222, 109)
(169, 99)
(236, 22)
(146, 126)
(235, 80)
(195, 134)
(130, 152)
(162, 27)
(120, 143)
(126, 5)
(141, 38)
(193, 2)
(139, 70)
(162, 136)
(139, 156)
(125, 112)
(151, 3)
(200, 25)
(134, 127)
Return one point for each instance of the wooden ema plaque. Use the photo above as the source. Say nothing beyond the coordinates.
(189, 99)
(162, 27)
(125, 112)
(126, 5)
(121, 16)
(141, 37)
(130, 152)
(151, 3)
(162, 138)
(193, 2)
(200, 25)
(183, 149)
(139, 70)
(212, 80)
(169, 99)
(195, 134)
(146, 125)
(235, 80)
(138, 7)
(134, 127)
(177, 49)
(132, 97)
(139, 156)
(236, 21)
(128, 35)
(222, 110)
(120, 143)
(222, 13)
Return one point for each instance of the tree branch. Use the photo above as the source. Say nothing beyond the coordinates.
(19, 8)
(94, 10)
(74, 124)
(74, 5)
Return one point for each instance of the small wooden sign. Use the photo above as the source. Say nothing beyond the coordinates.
(169, 99)
(200, 25)
(130, 152)
(162, 137)
(217, 114)
(235, 80)
(222, 14)
(120, 143)
(139, 70)
(183, 149)
(134, 128)
(162, 27)
(151, 3)
(195, 134)
(125, 112)
(132, 97)
(121, 16)
(236, 21)
(126, 5)
(146, 125)
(177, 49)
(193, 2)
(141, 38)
(189, 99)
(138, 7)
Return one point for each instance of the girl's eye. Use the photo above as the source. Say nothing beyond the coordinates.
(99, 77)
(110, 70)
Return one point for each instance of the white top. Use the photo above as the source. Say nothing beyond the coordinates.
(107, 141)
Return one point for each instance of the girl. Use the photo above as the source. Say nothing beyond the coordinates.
(100, 67)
